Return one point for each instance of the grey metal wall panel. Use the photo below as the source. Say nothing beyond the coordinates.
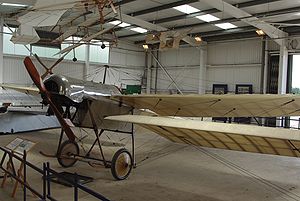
(235, 52)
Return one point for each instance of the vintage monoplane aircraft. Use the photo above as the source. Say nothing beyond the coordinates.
(170, 39)
(102, 107)
(48, 13)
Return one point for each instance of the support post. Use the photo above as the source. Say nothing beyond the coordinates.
(24, 174)
(262, 76)
(105, 73)
(44, 181)
(156, 71)
(166, 73)
(282, 74)
(1, 50)
(86, 68)
(202, 70)
(148, 66)
(266, 68)
(48, 180)
(283, 68)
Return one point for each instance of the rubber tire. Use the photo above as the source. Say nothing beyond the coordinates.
(60, 160)
(113, 164)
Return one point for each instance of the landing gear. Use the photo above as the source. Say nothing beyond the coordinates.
(122, 161)
(121, 164)
(67, 153)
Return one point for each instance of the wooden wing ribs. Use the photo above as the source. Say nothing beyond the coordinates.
(248, 138)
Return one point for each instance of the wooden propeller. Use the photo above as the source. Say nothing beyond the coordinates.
(48, 70)
(36, 78)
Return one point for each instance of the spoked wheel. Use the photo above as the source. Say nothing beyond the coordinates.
(121, 164)
(67, 152)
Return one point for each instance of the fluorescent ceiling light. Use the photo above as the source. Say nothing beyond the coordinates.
(146, 47)
(13, 4)
(208, 18)
(119, 23)
(198, 38)
(186, 9)
(139, 29)
(226, 25)
(260, 32)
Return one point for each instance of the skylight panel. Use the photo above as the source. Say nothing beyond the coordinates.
(13, 4)
(120, 24)
(226, 25)
(139, 30)
(208, 18)
(186, 9)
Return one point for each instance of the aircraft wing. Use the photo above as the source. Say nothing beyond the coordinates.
(74, 29)
(84, 40)
(46, 13)
(41, 18)
(256, 139)
(19, 121)
(27, 90)
(245, 105)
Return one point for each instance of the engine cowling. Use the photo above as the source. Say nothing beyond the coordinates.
(77, 90)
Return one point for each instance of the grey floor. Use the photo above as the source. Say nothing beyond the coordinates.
(173, 172)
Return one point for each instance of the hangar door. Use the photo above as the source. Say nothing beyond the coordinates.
(272, 83)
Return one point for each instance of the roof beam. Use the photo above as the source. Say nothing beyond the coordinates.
(119, 3)
(211, 11)
(139, 22)
(218, 33)
(262, 14)
(238, 13)
(248, 31)
(153, 27)
(162, 7)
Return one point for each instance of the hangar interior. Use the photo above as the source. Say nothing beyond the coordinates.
(163, 47)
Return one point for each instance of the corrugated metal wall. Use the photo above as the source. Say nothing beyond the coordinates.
(233, 62)
(183, 66)
(16, 73)
(234, 52)
(127, 68)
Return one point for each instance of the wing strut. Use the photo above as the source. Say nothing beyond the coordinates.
(166, 72)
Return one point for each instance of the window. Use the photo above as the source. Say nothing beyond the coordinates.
(11, 48)
(97, 54)
(47, 52)
(78, 53)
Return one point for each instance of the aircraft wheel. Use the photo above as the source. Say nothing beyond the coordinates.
(67, 152)
(121, 164)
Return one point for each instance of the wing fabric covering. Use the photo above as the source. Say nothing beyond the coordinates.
(246, 105)
(256, 139)
(23, 89)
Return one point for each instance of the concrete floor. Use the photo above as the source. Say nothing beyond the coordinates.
(174, 172)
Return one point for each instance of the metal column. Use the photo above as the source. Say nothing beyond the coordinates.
(1, 50)
(86, 68)
(148, 66)
(283, 68)
(202, 71)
